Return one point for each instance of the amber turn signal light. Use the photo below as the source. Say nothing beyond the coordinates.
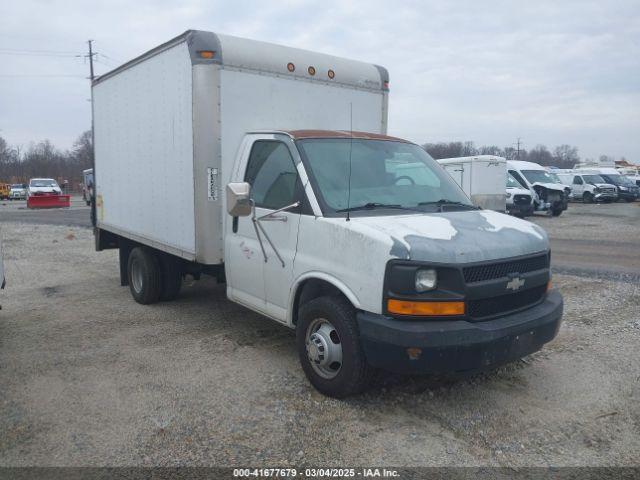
(207, 53)
(433, 309)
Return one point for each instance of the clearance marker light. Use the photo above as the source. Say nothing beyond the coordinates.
(291, 67)
(207, 53)
(331, 74)
(312, 71)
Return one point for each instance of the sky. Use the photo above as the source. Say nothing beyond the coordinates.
(548, 72)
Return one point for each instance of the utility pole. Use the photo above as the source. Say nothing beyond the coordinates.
(518, 149)
(91, 54)
(93, 148)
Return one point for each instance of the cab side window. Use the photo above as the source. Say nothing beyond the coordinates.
(272, 175)
(520, 180)
(577, 180)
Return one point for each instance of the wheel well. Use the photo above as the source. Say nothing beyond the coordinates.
(313, 288)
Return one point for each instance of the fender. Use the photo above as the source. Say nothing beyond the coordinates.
(319, 276)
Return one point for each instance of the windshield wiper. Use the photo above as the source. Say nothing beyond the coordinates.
(443, 201)
(371, 206)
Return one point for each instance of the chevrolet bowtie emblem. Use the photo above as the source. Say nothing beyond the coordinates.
(515, 283)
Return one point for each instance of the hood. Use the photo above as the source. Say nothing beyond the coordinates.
(454, 237)
(518, 191)
(45, 189)
(551, 186)
(604, 185)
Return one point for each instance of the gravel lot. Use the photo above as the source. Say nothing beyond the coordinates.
(89, 377)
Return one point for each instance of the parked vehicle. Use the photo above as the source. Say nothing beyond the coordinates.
(18, 192)
(5, 189)
(590, 187)
(359, 241)
(87, 185)
(43, 186)
(481, 177)
(548, 196)
(627, 189)
(519, 199)
(556, 178)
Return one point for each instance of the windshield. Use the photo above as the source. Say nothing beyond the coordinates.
(555, 178)
(17, 185)
(541, 176)
(619, 180)
(43, 182)
(512, 182)
(383, 173)
(593, 179)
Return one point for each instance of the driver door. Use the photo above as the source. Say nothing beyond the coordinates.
(273, 176)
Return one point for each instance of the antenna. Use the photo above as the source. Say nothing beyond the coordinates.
(350, 149)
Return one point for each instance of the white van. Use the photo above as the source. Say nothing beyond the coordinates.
(359, 241)
(482, 177)
(627, 188)
(519, 199)
(548, 195)
(590, 187)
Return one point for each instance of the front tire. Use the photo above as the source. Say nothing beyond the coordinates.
(329, 347)
(143, 270)
(587, 197)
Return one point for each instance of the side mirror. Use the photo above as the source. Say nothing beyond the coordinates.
(238, 199)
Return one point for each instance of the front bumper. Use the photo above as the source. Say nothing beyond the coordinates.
(605, 196)
(520, 209)
(458, 345)
(628, 195)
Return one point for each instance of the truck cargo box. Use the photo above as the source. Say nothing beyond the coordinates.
(482, 177)
(169, 123)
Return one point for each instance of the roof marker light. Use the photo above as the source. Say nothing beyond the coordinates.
(331, 74)
(291, 67)
(207, 53)
(311, 70)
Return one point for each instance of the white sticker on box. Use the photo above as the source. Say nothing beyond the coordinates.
(212, 184)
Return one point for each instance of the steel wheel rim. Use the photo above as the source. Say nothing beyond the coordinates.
(324, 348)
(136, 275)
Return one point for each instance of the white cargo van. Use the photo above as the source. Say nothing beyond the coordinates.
(626, 188)
(359, 241)
(589, 187)
(548, 195)
(482, 177)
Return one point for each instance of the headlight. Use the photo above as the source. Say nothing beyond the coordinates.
(508, 194)
(596, 190)
(426, 280)
(624, 189)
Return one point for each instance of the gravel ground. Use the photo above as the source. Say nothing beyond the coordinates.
(89, 377)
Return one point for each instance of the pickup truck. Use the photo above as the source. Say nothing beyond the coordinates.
(296, 198)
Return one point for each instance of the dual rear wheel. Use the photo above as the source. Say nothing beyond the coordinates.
(153, 276)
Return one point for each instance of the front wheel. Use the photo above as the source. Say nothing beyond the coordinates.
(556, 212)
(587, 197)
(329, 347)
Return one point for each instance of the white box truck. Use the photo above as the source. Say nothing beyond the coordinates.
(482, 177)
(269, 168)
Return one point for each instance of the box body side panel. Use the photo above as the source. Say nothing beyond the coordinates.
(144, 151)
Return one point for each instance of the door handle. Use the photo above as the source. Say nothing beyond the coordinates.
(274, 218)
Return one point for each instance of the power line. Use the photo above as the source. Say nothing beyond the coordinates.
(39, 75)
(25, 51)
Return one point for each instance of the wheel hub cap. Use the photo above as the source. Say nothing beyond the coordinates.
(324, 348)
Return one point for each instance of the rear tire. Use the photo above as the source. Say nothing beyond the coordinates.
(556, 212)
(143, 272)
(171, 278)
(326, 325)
